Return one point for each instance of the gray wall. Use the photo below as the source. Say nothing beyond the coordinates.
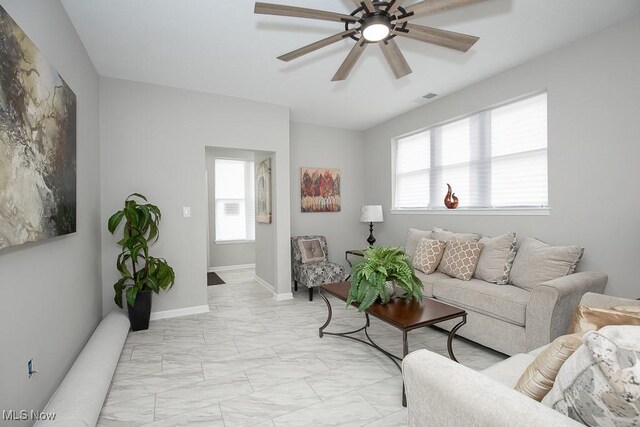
(319, 146)
(225, 254)
(153, 141)
(593, 106)
(50, 292)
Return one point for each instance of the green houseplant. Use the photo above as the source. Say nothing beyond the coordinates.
(380, 265)
(140, 272)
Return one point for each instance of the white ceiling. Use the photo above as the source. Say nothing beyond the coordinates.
(220, 46)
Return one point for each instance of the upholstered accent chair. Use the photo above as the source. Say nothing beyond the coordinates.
(316, 273)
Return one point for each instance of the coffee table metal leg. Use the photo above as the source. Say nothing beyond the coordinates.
(329, 314)
(405, 351)
(451, 335)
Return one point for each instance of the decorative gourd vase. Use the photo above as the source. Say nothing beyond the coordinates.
(450, 200)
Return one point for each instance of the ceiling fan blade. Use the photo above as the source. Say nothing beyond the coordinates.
(395, 58)
(315, 46)
(457, 41)
(394, 6)
(429, 7)
(368, 4)
(301, 12)
(350, 61)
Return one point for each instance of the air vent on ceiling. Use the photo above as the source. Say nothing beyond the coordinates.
(430, 95)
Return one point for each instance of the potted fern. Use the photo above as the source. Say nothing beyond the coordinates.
(141, 273)
(370, 277)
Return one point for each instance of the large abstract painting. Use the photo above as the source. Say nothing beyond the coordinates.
(263, 192)
(37, 143)
(320, 190)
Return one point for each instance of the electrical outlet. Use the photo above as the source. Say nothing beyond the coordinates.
(186, 211)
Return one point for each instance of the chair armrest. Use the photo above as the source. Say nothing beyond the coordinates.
(552, 303)
(441, 392)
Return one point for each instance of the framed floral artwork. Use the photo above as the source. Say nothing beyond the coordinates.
(320, 190)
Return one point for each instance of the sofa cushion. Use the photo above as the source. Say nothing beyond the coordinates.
(509, 370)
(496, 258)
(460, 259)
(428, 255)
(537, 262)
(446, 235)
(428, 280)
(413, 238)
(503, 302)
(600, 384)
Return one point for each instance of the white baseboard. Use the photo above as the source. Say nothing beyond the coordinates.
(264, 283)
(283, 297)
(231, 267)
(276, 296)
(166, 314)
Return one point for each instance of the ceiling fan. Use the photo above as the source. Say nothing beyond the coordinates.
(375, 21)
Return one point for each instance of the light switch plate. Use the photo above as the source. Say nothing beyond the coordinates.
(186, 211)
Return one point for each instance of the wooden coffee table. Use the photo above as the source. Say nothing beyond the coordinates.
(399, 313)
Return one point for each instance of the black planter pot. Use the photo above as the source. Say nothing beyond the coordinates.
(140, 312)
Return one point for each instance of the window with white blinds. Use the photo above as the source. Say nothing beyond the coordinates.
(234, 196)
(493, 159)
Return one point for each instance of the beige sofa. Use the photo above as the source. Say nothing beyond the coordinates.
(443, 393)
(508, 318)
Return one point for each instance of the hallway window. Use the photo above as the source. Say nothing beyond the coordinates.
(234, 195)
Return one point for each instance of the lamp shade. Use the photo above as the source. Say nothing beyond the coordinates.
(371, 213)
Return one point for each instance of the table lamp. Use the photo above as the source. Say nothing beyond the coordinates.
(371, 214)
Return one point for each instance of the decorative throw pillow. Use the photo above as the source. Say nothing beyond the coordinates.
(496, 258)
(592, 318)
(311, 251)
(538, 378)
(600, 384)
(445, 235)
(428, 255)
(413, 238)
(537, 262)
(460, 259)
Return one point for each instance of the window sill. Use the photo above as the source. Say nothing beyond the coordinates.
(233, 242)
(475, 211)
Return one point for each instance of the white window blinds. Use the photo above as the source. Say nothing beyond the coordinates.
(492, 159)
(234, 196)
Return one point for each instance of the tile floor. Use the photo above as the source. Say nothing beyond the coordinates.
(253, 361)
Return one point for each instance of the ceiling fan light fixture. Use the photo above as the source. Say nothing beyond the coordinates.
(376, 28)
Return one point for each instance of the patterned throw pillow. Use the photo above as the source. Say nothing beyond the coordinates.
(460, 259)
(496, 258)
(311, 251)
(428, 255)
(600, 384)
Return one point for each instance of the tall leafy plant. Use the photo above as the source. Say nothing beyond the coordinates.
(380, 265)
(139, 270)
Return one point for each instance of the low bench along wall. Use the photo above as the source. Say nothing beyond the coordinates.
(79, 398)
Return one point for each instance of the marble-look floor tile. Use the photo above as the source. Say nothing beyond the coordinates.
(186, 399)
(239, 362)
(346, 378)
(253, 360)
(209, 416)
(265, 404)
(397, 419)
(385, 395)
(283, 371)
(348, 410)
(130, 413)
